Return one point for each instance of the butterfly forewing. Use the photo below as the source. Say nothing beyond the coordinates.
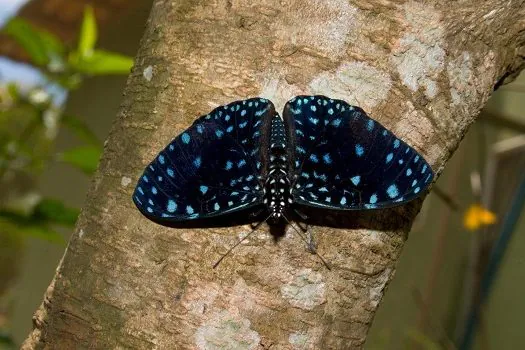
(214, 167)
(345, 160)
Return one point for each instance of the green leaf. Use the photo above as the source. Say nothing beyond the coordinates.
(30, 226)
(70, 81)
(13, 217)
(6, 340)
(84, 158)
(54, 211)
(42, 232)
(41, 46)
(102, 62)
(88, 33)
(13, 90)
(80, 129)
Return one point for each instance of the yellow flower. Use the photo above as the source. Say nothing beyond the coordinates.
(477, 216)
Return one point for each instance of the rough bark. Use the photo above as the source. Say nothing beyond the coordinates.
(423, 70)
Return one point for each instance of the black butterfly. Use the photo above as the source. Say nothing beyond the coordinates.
(243, 156)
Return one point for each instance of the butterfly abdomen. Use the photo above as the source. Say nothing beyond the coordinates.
(277, 190)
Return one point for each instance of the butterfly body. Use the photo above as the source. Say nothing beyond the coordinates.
(323, 153)
(277, 190)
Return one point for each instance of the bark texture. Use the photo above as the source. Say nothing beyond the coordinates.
(424, 70)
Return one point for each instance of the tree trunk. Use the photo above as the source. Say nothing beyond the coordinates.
(422, 70)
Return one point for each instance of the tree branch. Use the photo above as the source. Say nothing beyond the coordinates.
(423, 71)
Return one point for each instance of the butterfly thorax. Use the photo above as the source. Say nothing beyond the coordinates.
(277, 195)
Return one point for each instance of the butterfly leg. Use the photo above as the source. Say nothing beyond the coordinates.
(312, 246)
(303, 228)
(303, 217)
(309, 242)
(300, 214)
(253, 215)
(236, 244)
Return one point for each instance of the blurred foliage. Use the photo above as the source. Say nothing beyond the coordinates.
(6, 342)
(30, 119)
(422, 341)
(84, 158)
(62, 65)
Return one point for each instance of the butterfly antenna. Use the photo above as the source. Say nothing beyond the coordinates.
(308, 243)
(239, 242)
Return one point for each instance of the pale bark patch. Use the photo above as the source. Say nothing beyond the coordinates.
(376, 293)
(372, 238)
(305, 340)
(225, 330)
(306, 290)
(298, 340)
(276, 89)
(125, 181)
(460, 76)
(120, 294)
(357, 83)
(148, 73)
(419, 56)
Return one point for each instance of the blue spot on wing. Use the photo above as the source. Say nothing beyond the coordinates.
(392, 191)
(314, 158)
(172, 206)
(359, 150)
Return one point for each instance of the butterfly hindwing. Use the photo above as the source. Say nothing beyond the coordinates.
(345, 160)
(212, 168)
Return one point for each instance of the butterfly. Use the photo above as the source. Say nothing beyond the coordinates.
(322, 153)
